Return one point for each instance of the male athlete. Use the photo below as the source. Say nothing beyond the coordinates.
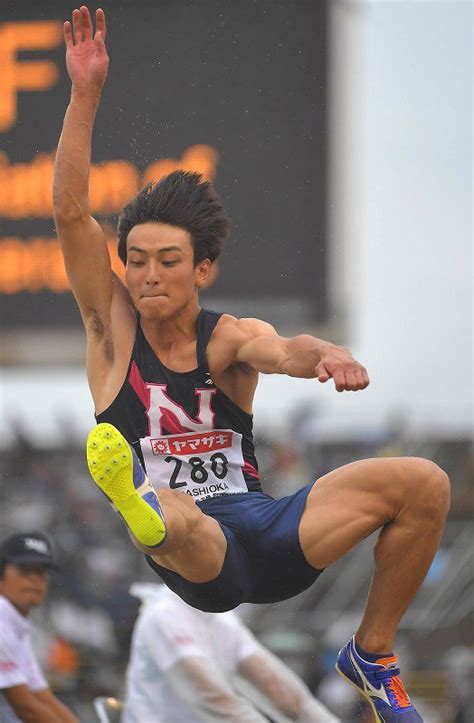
(177, 382)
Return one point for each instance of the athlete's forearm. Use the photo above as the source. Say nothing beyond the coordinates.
(301, 356)
(304, 356)
(297, 357)
(73, 157)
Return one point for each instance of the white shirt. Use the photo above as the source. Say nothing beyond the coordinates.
(166, 632)
(18, 664)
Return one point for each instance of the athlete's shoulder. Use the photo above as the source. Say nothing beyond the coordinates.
(241, 330)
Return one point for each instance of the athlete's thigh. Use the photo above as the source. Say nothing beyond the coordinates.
(195, 546)
(348, 504)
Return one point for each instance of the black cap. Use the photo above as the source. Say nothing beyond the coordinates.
(28, 548)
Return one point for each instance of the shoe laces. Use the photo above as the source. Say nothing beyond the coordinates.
(390, 676)
(395, 684)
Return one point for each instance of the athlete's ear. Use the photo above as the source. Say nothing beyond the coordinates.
(205, 274)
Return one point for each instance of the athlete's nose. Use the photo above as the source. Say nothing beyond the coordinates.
(153, 276)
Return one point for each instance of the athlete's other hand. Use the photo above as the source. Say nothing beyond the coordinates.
(338, 363)
(86, 57)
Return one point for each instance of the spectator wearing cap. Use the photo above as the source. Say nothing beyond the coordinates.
(25, 562)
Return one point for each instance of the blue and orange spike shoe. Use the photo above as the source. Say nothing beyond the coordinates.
(116, 470)
(379, 683)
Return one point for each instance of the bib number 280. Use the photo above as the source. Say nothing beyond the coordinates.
(198, 472)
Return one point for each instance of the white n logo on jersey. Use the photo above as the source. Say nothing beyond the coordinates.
(166, 416)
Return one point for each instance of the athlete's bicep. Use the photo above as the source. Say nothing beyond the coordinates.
(260, 347)
(87, 263)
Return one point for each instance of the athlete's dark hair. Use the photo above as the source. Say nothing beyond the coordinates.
(184, 200)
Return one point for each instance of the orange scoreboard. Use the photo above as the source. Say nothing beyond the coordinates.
(235, 91)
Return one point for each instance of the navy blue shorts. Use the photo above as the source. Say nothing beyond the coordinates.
(264, 562)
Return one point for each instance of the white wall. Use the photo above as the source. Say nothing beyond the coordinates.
(401, 203)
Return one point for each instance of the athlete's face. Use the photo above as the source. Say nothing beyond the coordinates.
(160, 272)
(25, 586)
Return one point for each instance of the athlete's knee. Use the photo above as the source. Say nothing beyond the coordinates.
(431, 484)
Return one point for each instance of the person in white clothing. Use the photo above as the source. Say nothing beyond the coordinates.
(25, 561)
(185, 665)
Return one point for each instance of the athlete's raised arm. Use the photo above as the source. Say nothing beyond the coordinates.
(82, 239)
(258, 345)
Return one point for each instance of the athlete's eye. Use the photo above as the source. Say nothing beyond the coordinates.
(135, 263)
(169, 263)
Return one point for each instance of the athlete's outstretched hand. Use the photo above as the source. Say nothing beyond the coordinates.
(338, 363)
(86, 57)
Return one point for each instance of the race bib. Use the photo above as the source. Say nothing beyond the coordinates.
(200, 464)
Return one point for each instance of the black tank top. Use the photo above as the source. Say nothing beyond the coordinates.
(187, 432)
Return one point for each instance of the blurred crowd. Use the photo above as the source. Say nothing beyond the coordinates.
(83, 633)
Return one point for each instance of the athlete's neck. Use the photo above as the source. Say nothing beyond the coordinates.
(174, 332)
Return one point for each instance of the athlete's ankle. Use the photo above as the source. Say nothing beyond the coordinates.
(373, 648)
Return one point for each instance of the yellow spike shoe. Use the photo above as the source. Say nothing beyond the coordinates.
(116, 470)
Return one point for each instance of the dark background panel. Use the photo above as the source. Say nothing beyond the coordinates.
(249, 79)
